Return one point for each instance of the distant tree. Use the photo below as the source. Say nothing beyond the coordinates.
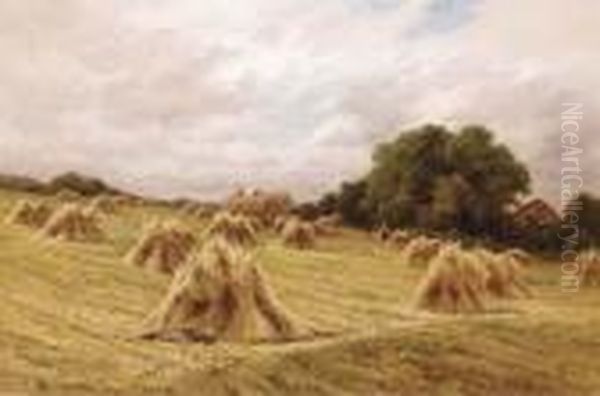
(433, 178)
(84, 185)
(353, 205)
(21, 183)
(328, 204)
(543, 240)
(589, 220)
(308, 211)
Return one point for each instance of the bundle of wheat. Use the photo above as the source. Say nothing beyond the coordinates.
(234, 229)
(261, 205)
(73, 223)
(198, 211)
(504, 274)
(122, 200)
(257, 224)
(382, 233)
(422, 249)
(137, 201)
(67, 195)
(299, 234)
(590, 269)
(222, 295)
(103, 205)
(280, 223)
(399, 239)
(187, 207)
(163, 247)
(29, 214)
(327, 225)
(521, 256)
(205, 212)
(455, 282)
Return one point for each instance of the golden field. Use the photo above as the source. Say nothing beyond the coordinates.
(70, 311)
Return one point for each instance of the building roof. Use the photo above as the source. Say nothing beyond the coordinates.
(536, 213)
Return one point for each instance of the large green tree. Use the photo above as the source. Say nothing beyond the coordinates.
(431, 177)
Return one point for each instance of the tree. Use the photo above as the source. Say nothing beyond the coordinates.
(495, 177)
(404, 175)
(21, 183)
(84, 185)
(353, 205)
(589, 219)
(328, 204)
(432, 178)
(452, 196)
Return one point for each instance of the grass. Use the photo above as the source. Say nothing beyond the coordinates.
(68, 312)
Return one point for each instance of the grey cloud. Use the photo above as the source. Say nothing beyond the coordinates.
(195, 98)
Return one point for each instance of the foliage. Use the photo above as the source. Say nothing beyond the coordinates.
(21, 183)
(70, 181)
(350, 202)
(433, 178)
(589, 220)
(310, 211)
(354, 206)
(543, 240)
(328, 204)
(84, 185)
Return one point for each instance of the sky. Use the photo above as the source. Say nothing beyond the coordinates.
(196, 98)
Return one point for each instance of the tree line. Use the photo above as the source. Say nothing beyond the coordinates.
(83, 185)
(459, 183)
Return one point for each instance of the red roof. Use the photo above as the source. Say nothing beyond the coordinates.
(536, 213)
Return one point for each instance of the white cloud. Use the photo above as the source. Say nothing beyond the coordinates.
(195, 97)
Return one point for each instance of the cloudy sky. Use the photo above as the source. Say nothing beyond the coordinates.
(188, 97)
